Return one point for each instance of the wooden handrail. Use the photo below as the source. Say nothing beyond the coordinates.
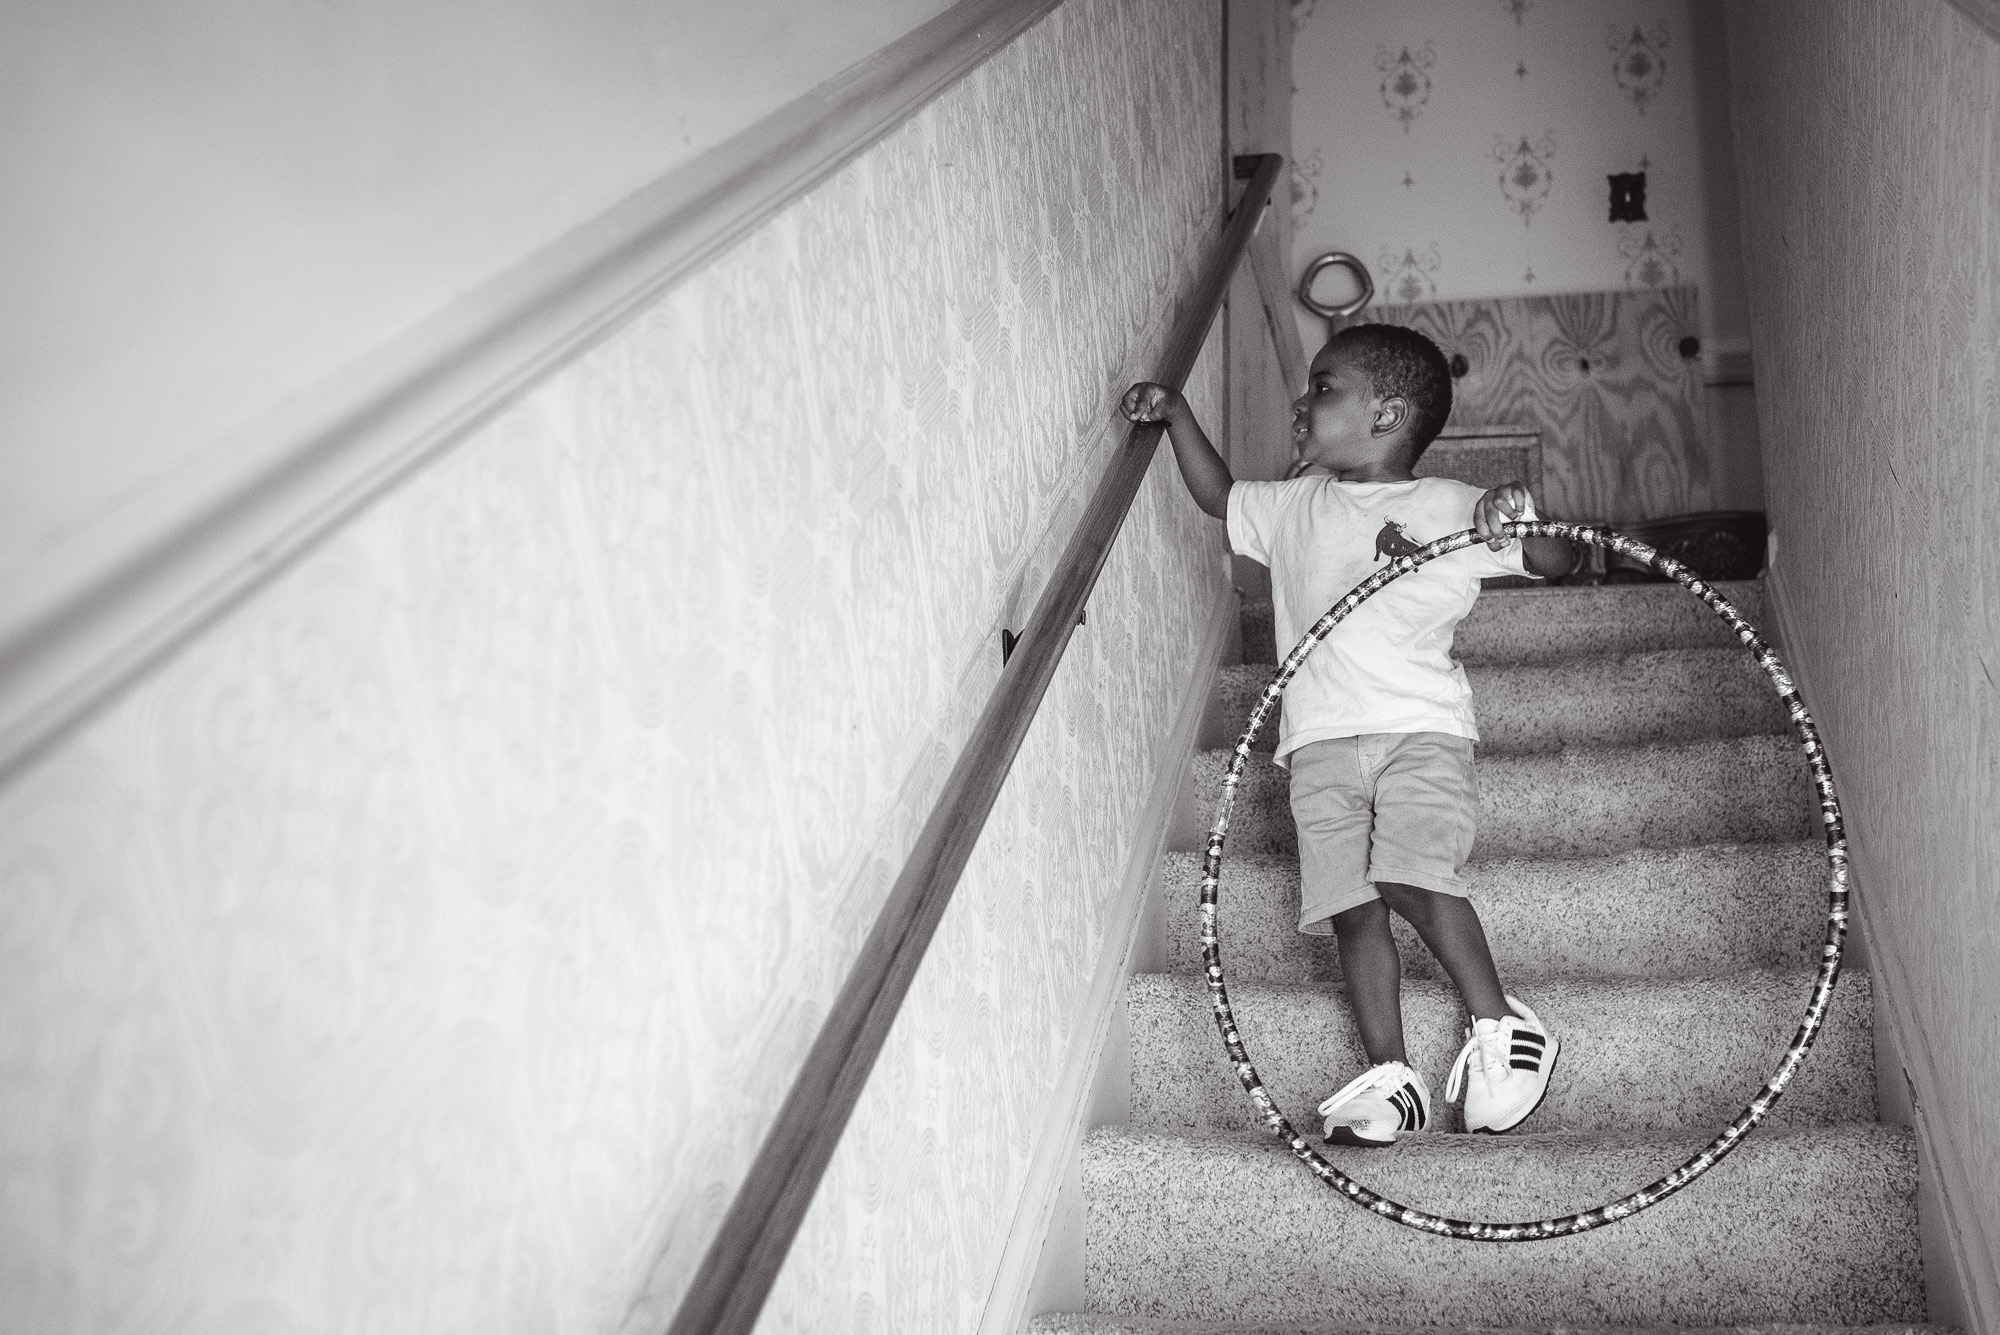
(743, 1262)
(1276, 296)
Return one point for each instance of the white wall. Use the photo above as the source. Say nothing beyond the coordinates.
(1870, 133)
(426, 946)
(1411, 181)
(212, 204)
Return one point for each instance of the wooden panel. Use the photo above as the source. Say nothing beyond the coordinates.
(1605, 376)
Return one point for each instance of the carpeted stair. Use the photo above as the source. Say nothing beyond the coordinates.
(1649, 877)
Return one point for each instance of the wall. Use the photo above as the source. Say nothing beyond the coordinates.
(425, 947)
(1462, 149)
(214, 204)
(1867, 133)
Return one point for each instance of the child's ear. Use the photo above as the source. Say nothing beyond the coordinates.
(1390, 415)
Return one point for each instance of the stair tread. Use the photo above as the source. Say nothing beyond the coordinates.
(1799, 1224)
(1101, 1323)
(1679, 694)
(1636, 1053)
(1578, 801)
(1649, 874)
(1548, 625)
(1656, 912)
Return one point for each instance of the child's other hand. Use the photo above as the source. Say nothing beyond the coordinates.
(1507, 501)
(1148, 402)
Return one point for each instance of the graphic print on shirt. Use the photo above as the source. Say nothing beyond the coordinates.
(1393, 542)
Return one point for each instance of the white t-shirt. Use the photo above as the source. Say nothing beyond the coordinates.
(1388, 666)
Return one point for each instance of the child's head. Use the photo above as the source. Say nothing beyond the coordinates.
(1377, 397)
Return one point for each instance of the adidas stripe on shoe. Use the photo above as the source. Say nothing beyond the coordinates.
(1504, 1068)
(1378, 1107)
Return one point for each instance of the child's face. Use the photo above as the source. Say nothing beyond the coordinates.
(1341, 424)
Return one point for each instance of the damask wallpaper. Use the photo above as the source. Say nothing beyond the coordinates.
(1510, 148)
(1870, 142)
(426, 947)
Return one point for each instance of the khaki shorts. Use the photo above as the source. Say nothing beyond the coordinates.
(1390, 806)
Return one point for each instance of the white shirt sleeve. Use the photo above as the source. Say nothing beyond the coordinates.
(1252, 511)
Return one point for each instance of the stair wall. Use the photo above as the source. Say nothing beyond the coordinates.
(1877, 316)
(427, 945)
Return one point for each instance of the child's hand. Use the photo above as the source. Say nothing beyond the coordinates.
(1507, 501)
(1148, 402)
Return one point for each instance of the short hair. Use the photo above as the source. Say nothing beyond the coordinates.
(1402, 361)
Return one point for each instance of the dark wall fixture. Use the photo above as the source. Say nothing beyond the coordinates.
(1459, 366)
(1689, 347)
(1628, 196)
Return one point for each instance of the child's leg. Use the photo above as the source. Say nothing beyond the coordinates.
(1373, 971)
(1450, 926)
(1332, 804)
(1426, 815)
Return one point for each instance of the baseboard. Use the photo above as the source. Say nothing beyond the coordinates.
(1961, 1280)
(1042, 1263)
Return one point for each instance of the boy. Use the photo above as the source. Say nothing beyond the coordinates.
(1377, 726)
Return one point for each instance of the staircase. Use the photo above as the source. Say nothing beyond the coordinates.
(1651, 883)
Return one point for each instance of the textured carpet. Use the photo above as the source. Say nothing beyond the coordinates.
(1799, 1224)
(1649, 880)
(1610, 700)
(1094, 1323)
(1553, 625)
(1637, 1053)
(1577, 802)
(1668, 912)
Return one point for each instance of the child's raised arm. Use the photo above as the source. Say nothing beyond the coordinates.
(1207, 476)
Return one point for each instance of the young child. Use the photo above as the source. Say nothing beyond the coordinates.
(1377, 726)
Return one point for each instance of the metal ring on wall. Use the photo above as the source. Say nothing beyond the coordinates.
(1327, 261)
(1816, 1006)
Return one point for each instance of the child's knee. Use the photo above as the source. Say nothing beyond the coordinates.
(1363, 919)
(1414, 903)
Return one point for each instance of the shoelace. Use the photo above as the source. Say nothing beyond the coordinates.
(1492, 1049)
(1374, 1078)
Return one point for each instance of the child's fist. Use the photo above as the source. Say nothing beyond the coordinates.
(1147, 402)
(1509, 500)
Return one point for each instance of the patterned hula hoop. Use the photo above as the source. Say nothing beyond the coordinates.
(1822, 992)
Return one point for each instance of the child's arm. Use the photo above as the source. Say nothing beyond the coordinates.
(1207, 476)
(1546, 557)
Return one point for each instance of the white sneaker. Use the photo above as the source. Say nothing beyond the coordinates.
(1510, 1060)
(1378, 1107)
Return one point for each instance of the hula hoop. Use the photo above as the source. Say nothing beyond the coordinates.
(1836, 912)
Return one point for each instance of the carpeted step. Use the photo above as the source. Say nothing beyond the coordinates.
(1097, 1323)
(1800, 1224)
(1578, 802)
(1664, 695)
(1637, 1054)
(1660, 912)
(1547, 625)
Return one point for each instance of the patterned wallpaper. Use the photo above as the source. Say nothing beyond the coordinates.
(1606, 378)
(1504, 148)
(426, 946)
(1873, 193)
